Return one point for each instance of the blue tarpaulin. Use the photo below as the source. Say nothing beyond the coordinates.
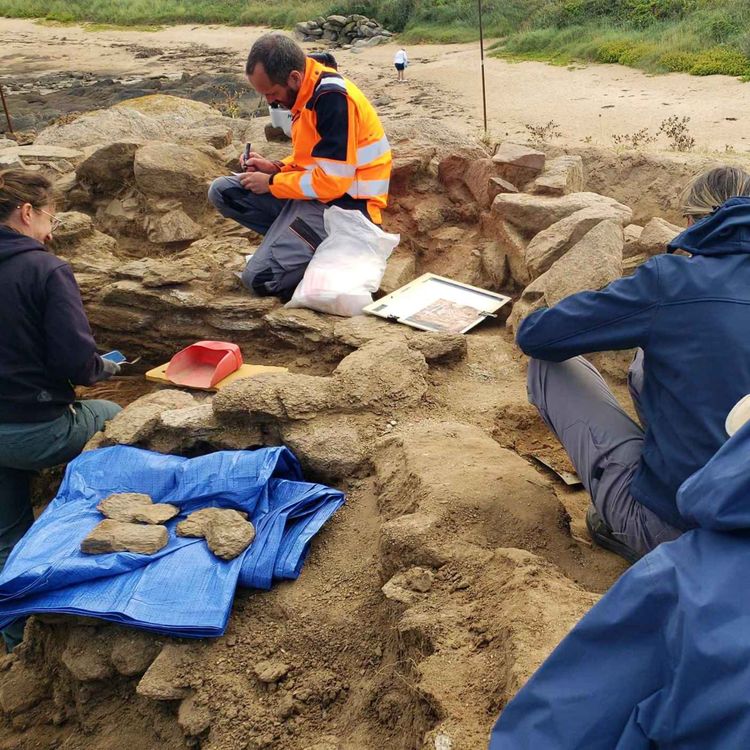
(183, 589)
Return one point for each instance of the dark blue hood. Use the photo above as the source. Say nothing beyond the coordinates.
(724, 232)
(12, 243)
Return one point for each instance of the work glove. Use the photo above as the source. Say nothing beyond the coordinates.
(110, 368)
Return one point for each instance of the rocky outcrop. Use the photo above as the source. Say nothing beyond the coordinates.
(354, 31)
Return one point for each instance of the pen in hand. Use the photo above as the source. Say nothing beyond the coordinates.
(246, 154)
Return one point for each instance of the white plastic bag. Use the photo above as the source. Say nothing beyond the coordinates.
(347, 267)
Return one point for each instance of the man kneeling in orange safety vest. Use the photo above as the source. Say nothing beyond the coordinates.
(340, 156)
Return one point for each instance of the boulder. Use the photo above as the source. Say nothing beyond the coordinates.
(117, 536)
(10, 160)
(138, 420)
(518, 163)
(530, 214)
(217, 136)
(109, 167)
(147, 118)
(478, 178)
(563, 175)
(171, 170)
(75, 227)
(656, 235)
(553, 242)
(173, 226)
(495, 264)
(594, 262)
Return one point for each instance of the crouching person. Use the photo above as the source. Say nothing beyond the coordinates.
(688, 317)
(46, 348)
(662, 660)
(340, 156)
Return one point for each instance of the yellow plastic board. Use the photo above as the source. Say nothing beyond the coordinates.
(159, 375)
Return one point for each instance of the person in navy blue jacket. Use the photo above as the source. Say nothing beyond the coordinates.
(46, 348)
(689, 317)
(662, 660)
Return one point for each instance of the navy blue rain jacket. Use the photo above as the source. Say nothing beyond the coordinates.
(691, 316)
(663, 660)
(46, 345)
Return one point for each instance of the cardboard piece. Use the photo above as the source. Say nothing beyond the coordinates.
(159, 375)
(436, 303)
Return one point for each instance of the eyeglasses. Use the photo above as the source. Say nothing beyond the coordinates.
(55, 222)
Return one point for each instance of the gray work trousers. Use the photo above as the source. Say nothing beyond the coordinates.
(293, 230)
(26, 448)
(603, 442)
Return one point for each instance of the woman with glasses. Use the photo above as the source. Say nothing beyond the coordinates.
(46, 348)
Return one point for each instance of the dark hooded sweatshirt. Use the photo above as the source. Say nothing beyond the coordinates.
(46, 346)
(691, 317)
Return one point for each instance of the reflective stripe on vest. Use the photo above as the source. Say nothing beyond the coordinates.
(305, 185)
(336, 168)
(369, 188)
(373, 151)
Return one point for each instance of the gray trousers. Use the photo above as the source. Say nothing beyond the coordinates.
(603, 442)
(293, 230)
(28, 447)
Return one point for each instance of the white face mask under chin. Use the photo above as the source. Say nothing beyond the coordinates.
(739, 415)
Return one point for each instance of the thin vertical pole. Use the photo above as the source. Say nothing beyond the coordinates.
(5, 107)
(481, 51)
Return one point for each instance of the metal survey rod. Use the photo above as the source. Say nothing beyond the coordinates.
(5, 107)
(481, 52)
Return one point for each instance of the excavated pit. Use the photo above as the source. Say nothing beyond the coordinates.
(457, 563)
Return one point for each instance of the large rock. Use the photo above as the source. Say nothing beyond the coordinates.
(553, 242)
(530, 214)
(117, 536)
(382, 376)
(109, 168)
(139, 419)
(479, 179)
(168, 169)
(656, 235)
(518, 163)
(594, 262)
(154, 117)
(173, 226)
(563, 175)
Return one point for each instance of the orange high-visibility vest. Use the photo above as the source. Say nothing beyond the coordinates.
(340, 150)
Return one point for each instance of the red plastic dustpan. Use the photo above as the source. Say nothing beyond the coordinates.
(204, 364)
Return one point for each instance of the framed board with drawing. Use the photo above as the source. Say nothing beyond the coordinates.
(436, 303)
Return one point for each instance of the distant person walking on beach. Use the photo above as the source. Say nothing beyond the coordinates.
(400, 60)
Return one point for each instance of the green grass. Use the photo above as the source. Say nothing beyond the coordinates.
(701, 37)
